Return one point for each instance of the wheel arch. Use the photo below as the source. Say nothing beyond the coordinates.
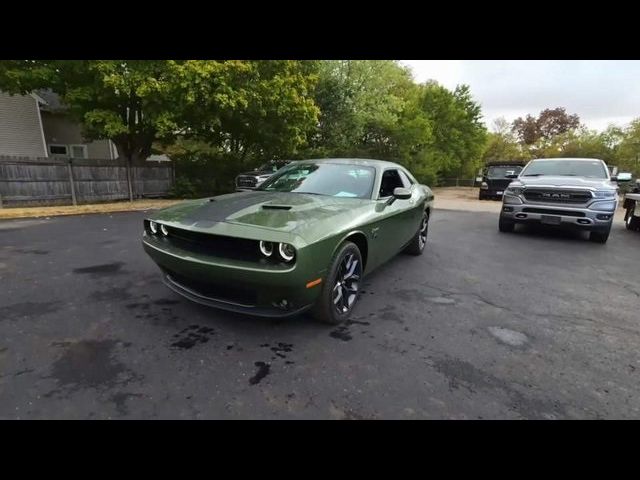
(360, 239)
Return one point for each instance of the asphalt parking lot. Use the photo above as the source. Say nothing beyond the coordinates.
(483, 325)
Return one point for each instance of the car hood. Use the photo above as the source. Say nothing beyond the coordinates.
(558, 181)
(309, 216)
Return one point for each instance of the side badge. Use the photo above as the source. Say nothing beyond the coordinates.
(374, 232)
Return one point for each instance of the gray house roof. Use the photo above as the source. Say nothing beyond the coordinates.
(52, 101)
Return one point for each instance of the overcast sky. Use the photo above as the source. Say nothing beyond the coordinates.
(599, 91)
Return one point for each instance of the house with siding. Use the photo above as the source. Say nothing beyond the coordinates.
(37, 125)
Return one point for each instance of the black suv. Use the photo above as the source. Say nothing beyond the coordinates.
(494, 179)
(251, 180)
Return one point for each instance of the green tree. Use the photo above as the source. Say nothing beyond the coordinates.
(239, 108)
(459, 135)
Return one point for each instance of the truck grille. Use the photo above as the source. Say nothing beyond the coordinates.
(557, 196)
(246, 181)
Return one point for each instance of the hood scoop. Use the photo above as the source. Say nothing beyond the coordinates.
(276, 207)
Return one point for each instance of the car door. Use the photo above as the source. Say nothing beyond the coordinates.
(396, 223)
(416, 202)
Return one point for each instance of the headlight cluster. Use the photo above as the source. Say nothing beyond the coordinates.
(286, 251)
(605, 194)
(514, 191)
(158, 227)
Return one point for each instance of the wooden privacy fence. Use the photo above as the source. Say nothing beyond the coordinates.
(53, 181)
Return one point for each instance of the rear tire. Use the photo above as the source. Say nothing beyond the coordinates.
(506, 226)
(600, 237)
(419, 240)
(340, 288)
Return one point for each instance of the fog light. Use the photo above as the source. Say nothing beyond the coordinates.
(153, 226)
(164, 230)
(507, 209)
(602, 216)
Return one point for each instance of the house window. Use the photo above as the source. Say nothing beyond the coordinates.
(58, 150)
(78, 151)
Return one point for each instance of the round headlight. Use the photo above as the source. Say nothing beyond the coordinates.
(164, 230)
(153, 226)
(266, 248)
(287, 251)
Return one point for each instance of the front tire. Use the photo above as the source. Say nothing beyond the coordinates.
(419, 240)
(505, 226)
(340, 290)
(600, 237)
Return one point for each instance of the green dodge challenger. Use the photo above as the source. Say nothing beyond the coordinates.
(303, 239)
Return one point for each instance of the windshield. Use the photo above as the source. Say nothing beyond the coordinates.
(502, 171)
(336, 180)
(562, 168)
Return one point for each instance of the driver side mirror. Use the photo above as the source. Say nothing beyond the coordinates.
(401, 193)
(621, 177)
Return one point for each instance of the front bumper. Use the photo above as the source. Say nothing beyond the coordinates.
(242, 287)
(559, 215)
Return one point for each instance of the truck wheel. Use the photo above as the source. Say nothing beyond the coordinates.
(481, 196)
(631, 222)
(600, 237)
(505, 225)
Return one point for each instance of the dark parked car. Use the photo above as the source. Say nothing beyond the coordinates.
(632, 208)
(494, 179)
(253, 179)
(304, 239)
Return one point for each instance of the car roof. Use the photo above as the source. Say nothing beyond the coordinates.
(366, 162)
(574, 159)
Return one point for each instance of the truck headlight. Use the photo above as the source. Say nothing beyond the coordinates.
(607, 206)
(514, 191)
(605, 194)
(509, 199)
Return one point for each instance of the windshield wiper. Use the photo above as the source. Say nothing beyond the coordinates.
(533, 174)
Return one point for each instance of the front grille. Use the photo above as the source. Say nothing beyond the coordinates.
(213, 245)
(544, 211)
(246, 181)
(557, 196)
(242, 296)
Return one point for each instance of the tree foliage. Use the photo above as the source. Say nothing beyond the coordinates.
(548, 124)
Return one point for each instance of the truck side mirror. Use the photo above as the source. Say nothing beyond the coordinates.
(621, 177)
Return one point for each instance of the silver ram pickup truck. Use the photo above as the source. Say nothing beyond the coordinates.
(564, 192)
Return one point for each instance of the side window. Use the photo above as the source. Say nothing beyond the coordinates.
(407, 182)
(390, 181)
